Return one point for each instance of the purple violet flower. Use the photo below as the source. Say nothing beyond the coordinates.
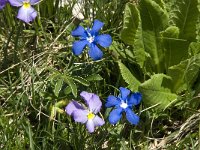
(84, 115)
(91, 38)
(123, 103)
(26, 12)
(2, 3)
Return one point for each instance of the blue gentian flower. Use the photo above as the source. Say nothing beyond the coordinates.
(91, 38)
(2, 3)
(26, 12)
(123, 103)
(85, 115)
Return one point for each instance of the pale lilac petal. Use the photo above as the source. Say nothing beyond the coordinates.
(80, 115)
(33, 2)
(131, 116)
(86, 96)
(90, 125)
(72, 106)
(104, 40)
(26, 14)
(98, 121)
(92, 100)
(112, 101)
(124, 92)
(16, 3)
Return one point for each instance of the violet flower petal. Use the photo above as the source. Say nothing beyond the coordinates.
(27, 14)
(92, 100)
(90, 125)
(72, 106)
(16, 3)
(34, 2)
(98, 121)
(80, 115)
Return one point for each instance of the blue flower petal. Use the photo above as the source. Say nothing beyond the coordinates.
(104, 40)
(97, 26)
(135, 99)
(115, 115)
(112, 101)
(79, 31)
(124, 92)
(131, 116)
(78, 46)
(95, 53)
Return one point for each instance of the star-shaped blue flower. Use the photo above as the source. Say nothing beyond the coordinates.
(91, 38)
(123, 103)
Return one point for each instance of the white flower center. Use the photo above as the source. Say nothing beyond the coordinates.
(123, 105)
(90, 39)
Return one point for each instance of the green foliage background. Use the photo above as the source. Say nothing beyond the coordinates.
(155, 51)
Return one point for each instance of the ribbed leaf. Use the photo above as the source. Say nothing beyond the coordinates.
(71, 84)
(130, 23)
(185, 15)
(176, 49)
(58, 86)
(128, 77)
(132, 32)
(157, 91)
(81, 80)
(194, 48)
(154, 19)
(184, 74)
(94, 77)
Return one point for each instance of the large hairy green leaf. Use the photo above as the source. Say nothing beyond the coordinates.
(185, 15)
(157, 91)
(184, 74)
(132, 32)
(154, 20)
(128, 77)
(176, 49)
(130, 23)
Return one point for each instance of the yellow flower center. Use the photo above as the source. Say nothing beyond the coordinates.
(90, 116)
(26, 4)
